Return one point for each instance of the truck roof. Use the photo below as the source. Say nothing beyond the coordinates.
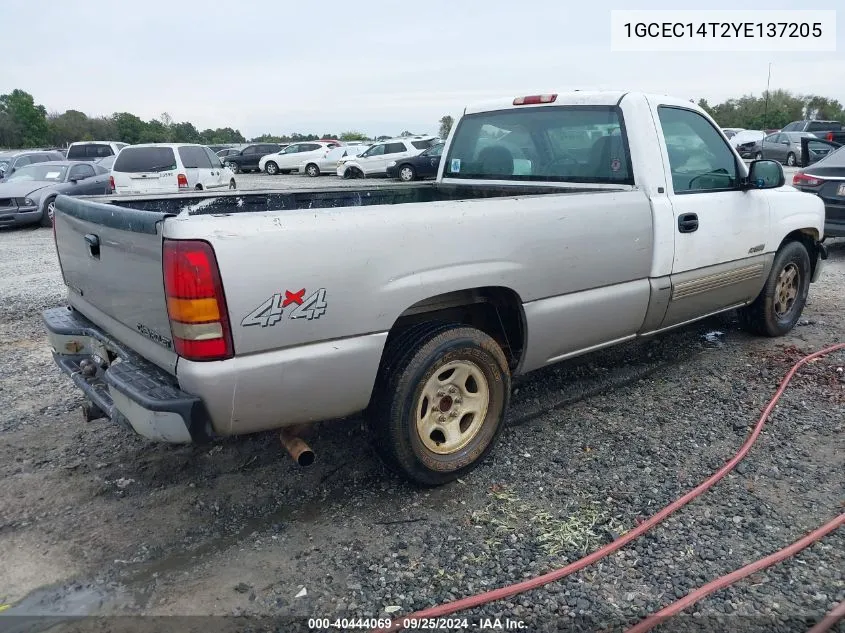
(574, 97)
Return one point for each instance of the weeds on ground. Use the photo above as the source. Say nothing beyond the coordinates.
(579, 530)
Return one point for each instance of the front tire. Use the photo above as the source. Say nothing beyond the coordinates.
(312, 170)
(407, 173)
(232, 184)
(777, 308)
(790, 159)
(49, 213)
(233, 167)
(758, 156)
(439, 403)
(271, 168)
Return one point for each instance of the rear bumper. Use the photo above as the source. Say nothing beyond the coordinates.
(127, 388)
(834, 221)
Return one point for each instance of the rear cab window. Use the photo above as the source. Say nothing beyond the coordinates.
(89, 150)
(144, 159)
(585, 144)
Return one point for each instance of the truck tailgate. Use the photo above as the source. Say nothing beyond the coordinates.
(111, 260)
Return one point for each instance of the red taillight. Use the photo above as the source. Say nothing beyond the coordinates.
(182, 179)
(806, 180)
(534, 99)
(829, 137)
(196, 305)
(111, 183)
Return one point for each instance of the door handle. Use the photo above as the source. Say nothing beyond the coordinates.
(93, 245)
(687, 222)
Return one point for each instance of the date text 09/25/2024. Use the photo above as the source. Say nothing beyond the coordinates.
(425, 624)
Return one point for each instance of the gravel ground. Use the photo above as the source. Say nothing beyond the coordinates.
(93, 519)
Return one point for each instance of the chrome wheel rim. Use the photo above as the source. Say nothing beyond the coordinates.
(312, 170)
(452, 407)
(790, 160)
(786, 289)
(51, 210)
(271, 168)
(406, 174)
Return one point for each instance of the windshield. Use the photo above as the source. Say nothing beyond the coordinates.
(134, 160)
(550, 143)
(51, 173)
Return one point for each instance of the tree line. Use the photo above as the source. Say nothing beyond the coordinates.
(24, 123)
(773, 110)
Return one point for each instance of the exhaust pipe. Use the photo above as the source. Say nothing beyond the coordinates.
(298, 449)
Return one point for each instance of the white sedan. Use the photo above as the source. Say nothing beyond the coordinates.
(288, 159)
(327, 162)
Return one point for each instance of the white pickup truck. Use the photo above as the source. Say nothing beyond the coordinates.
(559, 224)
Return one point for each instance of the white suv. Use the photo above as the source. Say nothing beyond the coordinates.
(289, 158)
(169, 168)
(93, 150)
(375, 160)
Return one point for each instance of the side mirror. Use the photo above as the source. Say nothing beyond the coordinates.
(765, 174)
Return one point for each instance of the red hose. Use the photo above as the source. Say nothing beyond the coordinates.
(735, 576)
(557, 574)
(827, 622)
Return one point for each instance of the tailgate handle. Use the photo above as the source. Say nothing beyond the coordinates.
(93, 245)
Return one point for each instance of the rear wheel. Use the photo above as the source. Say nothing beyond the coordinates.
(790, 159)
(439, 402)
(758, 156)
(312, 170)
(271, 168)
(777, 308)
(407, 173)
(49, 213)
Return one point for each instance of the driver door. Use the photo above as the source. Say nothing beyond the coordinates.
(720, 230)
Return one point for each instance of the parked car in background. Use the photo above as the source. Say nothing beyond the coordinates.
(106, 162)
(12, 161)
(747, 142)
(784, 147)
(730, 132)
(827, 130)
(169, 168)
(417, 167)
(217, 148)
(227, 151)
(92, 150)
(28, 196)
(326, 162)
(826, 179)
(374, 161)
(288, 159)
(247, 158)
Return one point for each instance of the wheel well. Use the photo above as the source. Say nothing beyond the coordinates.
(809, 238)
(495, 310)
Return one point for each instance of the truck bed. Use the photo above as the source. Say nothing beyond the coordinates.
(229, 202)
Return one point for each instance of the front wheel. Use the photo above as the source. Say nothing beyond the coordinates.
(777, 308)
(407, 173)
(758, 156)
(439, 403)
(790, 159)
(49, 213)
(233, 167)
(271, 168)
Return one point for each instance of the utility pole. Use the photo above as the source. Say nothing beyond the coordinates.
(766, 107)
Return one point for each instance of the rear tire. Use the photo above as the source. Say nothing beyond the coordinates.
(233, 184)
(758, 156)
(790, 159)
(312, 170)
(777, 308)
(439, 402)
(271, 168)
(49, 212)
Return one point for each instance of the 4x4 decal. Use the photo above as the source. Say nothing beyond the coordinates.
(272, 310)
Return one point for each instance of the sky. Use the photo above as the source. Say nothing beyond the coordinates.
(374, 66)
